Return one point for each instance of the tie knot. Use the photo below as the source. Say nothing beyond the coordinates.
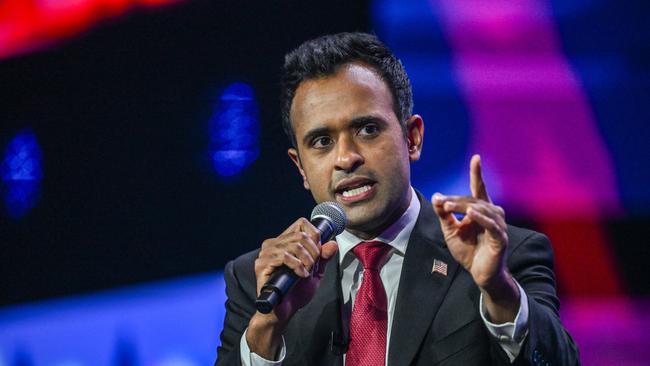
(371, 253)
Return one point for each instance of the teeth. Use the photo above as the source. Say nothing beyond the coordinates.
(356, 191)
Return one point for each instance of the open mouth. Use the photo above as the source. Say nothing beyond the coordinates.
(355, 190)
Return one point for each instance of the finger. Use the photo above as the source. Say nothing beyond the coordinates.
(266, 266)
(298, 250)
(457, 203)
(328, 251)
(447, 219)
(296, 244)
(487, 223)
(497, 214)
(491, 211)
(476, 183)
(309, 228)
(303, 238)
(295, 226)
(456, 206)
(296, 265)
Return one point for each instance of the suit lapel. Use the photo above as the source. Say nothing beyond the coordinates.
(321, 319)
(420, 291)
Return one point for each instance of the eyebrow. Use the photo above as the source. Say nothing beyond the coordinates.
(311, 134)
(364, 120)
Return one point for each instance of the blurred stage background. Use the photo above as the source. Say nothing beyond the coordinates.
(141, 149)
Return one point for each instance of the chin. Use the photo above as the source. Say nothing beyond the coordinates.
(364, 220)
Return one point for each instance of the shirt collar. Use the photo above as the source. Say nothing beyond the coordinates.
(396, 235)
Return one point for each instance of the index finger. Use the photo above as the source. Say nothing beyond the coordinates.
(294, 227)
(476, 183)
(307, 227)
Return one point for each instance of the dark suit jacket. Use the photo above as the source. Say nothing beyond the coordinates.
(436, 319)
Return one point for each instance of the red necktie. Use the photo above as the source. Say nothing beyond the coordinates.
(369, 320)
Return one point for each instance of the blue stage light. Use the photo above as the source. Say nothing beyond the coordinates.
(21, 173)
(169, 323)
(234, 130)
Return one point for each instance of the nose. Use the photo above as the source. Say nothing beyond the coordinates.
(348, 156)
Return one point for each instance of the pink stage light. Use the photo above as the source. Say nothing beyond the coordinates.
(533, 126)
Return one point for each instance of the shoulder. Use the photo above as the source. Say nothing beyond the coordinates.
(241, 270)
(244, 262)
(520, 237)
(529, 249)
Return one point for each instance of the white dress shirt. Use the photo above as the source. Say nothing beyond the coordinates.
(397, 236)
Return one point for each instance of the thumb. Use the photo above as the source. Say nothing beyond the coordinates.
(327, 252)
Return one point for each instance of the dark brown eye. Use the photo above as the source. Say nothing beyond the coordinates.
(321, 142)
(369, 130)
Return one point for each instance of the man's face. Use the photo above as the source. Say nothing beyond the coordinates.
(351, 148)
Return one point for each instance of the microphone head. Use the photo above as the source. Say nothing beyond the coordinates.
(332, 212)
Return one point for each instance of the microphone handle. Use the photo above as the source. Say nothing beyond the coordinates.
(283, 279)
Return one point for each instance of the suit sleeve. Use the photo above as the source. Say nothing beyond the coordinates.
(239, 309)
(547, 342)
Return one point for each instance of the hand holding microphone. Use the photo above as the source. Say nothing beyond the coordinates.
(302, 253)
(288, 271)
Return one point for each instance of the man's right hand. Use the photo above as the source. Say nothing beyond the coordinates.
(298, 248)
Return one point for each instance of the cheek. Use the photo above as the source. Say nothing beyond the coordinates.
(394, 154)
(318, 179)
(396, 164)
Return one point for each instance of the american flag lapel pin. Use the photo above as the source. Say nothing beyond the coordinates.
(439, 267)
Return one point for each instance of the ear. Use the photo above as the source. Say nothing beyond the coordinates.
(414, 136)
(293, 155)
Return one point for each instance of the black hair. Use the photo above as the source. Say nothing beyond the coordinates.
(323, 56)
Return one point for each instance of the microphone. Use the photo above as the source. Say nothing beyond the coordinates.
(330, 220)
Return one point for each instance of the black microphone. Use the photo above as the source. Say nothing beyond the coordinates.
(330, 220)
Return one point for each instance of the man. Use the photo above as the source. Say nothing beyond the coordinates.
(407, 283)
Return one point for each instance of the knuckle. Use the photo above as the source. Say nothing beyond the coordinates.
(306, 257)
(311, 245)
(267, 252)
(296, 247)
(312, 236)
(288, 259)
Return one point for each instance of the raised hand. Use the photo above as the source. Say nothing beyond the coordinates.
(478, 242)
